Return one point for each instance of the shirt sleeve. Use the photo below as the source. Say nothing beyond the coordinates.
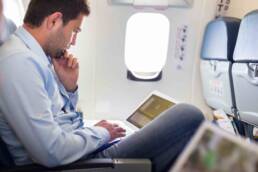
(73, 97)
(27, 108)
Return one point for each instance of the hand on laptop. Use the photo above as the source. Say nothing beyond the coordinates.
(114, 130)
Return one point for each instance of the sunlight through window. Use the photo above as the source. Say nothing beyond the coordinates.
(146, 45)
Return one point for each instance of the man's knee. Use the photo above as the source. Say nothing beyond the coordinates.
(189, 111)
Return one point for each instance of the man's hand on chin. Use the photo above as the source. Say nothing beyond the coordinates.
(67, 70)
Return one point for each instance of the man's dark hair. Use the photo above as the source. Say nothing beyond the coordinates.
(38, 10)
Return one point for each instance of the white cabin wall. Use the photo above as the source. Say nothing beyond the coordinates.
(25, 4)
(207, 13)
(86, 51)
(112, 96)
(240, 8)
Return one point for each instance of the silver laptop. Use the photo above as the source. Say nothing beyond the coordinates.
(151, 107)
(214, 150)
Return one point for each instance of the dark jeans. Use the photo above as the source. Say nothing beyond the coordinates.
(162, 140)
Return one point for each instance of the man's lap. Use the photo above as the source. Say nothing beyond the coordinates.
(164, 132)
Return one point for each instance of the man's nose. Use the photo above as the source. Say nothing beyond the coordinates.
(73, 40)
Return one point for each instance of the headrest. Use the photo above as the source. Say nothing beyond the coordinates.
(8, 28)
(247, 41)
(220, 38)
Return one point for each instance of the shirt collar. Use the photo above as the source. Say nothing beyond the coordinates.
(32, 44)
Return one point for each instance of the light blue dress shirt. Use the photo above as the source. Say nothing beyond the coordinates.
(38, 121)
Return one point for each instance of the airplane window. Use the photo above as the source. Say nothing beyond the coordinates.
(146, 46)
(14, 10)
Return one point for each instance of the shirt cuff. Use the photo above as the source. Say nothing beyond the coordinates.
(73, 97)
(72, 94)
(103, 132)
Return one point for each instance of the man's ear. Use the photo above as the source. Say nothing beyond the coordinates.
(54, 20)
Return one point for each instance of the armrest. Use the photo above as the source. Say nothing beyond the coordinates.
(83, 164)
(105, 165)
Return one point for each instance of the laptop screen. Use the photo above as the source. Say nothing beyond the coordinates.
(215, 152)
(150, 109)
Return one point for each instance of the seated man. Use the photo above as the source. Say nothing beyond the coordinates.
(38, 97)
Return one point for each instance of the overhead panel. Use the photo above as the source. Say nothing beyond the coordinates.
(154, 3)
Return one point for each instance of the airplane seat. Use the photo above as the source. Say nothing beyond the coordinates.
(216, 63)
(245, 69)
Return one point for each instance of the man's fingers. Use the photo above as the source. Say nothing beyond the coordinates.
(115, 125)
(70, 61)
(65, 53)
(100, 122)
(75, 63)
(76, 66)
(114, 129)
(120, 135)
(119, 132)
(58, 62)
(119, 129)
